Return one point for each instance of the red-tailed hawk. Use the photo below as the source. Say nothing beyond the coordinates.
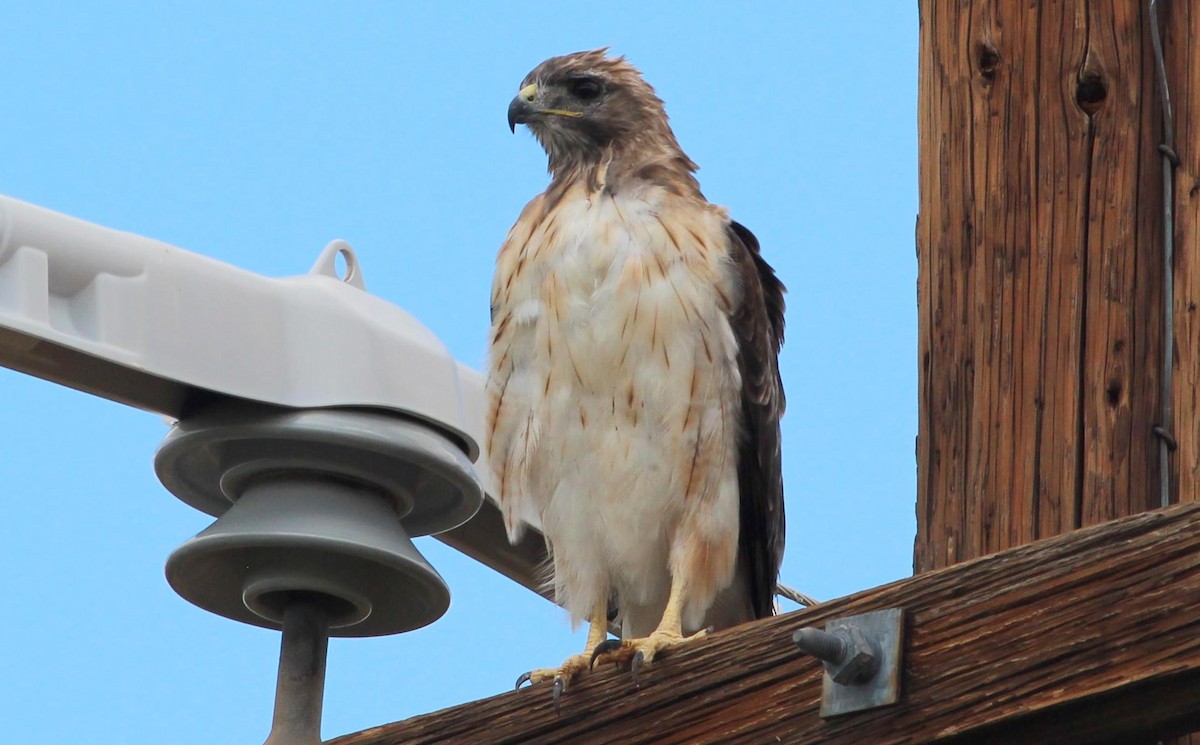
(633, 382)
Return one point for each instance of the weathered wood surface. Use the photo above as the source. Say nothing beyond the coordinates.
(1039, 272)
(1182, 29)
(1181, 26)
(1040, 252)
(1095, 633)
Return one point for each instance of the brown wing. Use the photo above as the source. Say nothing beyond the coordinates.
(758, 326)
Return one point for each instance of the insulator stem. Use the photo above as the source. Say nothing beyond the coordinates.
(300, 688)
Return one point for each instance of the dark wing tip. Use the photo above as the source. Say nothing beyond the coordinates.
(758, 324)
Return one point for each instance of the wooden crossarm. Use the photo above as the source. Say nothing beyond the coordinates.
(1092, 636)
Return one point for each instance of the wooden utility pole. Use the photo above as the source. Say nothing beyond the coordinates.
(1039, 243)
(1182, 26)
(1040, 249)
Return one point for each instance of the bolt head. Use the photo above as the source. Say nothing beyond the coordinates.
(861, 661)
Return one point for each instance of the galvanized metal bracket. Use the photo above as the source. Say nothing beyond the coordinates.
(862, 656)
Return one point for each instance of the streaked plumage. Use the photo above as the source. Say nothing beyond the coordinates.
(634, 387)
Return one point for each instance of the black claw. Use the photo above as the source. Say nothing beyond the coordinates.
(525, 678)
(608, 645)
(556, 694)
(634, 665)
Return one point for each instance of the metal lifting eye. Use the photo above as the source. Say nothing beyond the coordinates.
(339, 252)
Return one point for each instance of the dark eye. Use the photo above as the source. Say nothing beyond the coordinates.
(585, 88)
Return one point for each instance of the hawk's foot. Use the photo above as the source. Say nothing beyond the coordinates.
(561, 676)
(639, 652)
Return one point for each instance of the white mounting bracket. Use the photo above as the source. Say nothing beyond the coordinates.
(156, 327)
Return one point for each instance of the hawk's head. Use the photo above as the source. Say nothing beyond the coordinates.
(586, 106)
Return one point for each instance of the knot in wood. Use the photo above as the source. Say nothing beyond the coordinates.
(1091, 91)
(987, 59)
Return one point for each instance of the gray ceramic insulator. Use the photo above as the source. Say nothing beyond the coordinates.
(315, 502)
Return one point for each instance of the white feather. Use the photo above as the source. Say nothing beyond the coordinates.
(622, 394)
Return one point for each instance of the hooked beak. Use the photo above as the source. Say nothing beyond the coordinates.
(521, 109)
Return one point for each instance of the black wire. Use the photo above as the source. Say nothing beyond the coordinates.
(1166, 441)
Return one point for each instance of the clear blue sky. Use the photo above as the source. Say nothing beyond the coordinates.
(255, 133)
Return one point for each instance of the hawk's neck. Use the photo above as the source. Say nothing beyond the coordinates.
(614, 169)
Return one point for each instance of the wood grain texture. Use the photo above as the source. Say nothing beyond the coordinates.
(1039, 249)
(1031, 643)
(1181, 27)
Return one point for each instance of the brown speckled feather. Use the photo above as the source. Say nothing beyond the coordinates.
(633, 382)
